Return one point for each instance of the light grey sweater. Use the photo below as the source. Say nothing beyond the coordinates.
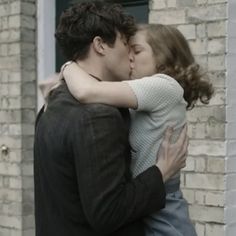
(160, 104)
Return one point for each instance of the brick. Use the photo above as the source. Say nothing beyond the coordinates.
(3, 50)
(4, 23)
(199, 46)
(207, 148)
(11, 142)
(200, 2)
(27, 182)
(189, 31)
(15, 21)
(197, 130)
(211, 181)
(217, 78)
(216, 165)
(11, 221)
(188, 195)
(29, 89)
(202, 113)
(4, 36)
(214, 199)
(219, 97)
(14, 90)
(9, 62)
(216, 29)
(27, 169)
(216, 1)
(28, 142)
(29, 232)
(5, 232)
(28, 195)
(202, 61)
(4, 76)
(28, 116)
(215, 130)
(157, 5)
(169, 17)
(28, 22)
(14, 49)
(28, 210)
(186, 3)
(171, 3)
(216, 62)
(28, 102)
(9, 169)
(15, 129)
(28, 220)
(28, 35)
(14, 35)
(14, 76)
(200, 229)
(200, 197)
(15, 8)
(216, 46)
(189, 164)
(214, 229)
(15, 182)
(207, 214)
(200, 164)
(28, 9)
(206, 13)
(4, 10)
(10, 195)
(12, 209)
(17, 232)
(28, 76)
(14, 102)
(201, 30)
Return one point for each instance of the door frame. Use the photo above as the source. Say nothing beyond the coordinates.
(46, 56)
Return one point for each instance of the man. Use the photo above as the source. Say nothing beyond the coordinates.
(82, 181)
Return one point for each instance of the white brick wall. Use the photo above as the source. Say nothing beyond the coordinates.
(17, 115)
(209, 179)
(230, 195)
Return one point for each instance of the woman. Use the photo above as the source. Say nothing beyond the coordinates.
(170, 82)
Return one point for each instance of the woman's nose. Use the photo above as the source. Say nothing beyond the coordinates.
(131, 59)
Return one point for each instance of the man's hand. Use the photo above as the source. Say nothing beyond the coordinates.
(172, 157)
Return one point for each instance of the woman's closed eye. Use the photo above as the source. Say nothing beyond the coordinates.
(137, 51)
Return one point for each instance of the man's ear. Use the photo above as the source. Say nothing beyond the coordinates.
(99, 45)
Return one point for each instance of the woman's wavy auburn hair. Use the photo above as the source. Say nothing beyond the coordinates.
(174, 58)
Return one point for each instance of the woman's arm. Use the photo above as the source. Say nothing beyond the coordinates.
(86, 89)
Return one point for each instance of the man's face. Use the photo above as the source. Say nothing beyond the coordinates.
(118, 59)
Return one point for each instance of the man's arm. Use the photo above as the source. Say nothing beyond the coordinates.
(109, 199)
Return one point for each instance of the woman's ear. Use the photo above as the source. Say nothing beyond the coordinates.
(98, 45)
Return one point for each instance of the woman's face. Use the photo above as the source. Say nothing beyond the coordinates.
(144, 63)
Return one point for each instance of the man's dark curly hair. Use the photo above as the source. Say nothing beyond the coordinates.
(82, 22)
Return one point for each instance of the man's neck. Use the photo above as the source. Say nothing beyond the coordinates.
(92, 68)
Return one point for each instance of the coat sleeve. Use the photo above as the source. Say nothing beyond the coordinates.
(109, 199)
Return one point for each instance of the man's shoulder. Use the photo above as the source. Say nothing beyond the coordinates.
(96, 110)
